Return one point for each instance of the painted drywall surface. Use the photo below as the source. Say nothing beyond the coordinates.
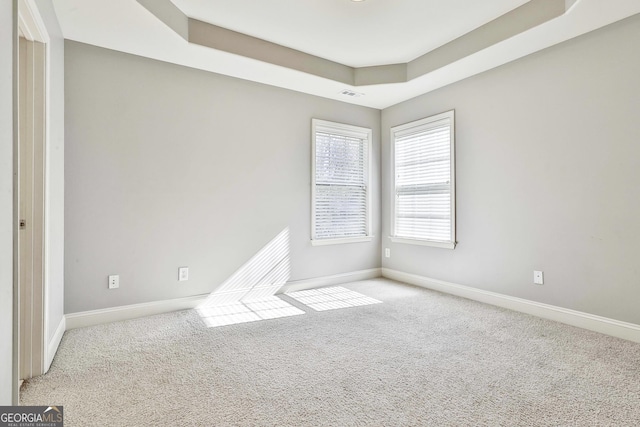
(6, 202)
(167, 166)
(55, 169)
(548, 173)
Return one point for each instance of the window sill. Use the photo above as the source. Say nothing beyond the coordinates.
(432, 243)
(322, 242)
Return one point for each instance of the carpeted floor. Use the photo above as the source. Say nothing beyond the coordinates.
(420, 358)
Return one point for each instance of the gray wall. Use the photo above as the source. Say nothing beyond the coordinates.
(168, 166)
(55, 169)
(6, 202)
(548, 176)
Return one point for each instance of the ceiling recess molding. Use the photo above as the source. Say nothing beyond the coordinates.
(390, 51)
(518, 20)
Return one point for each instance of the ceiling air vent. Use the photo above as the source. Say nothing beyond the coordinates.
(351, 93)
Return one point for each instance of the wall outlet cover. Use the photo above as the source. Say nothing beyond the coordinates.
(538, 278)
(183, 274)
(114, 282)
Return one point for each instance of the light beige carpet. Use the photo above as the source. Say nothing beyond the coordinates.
(420, 358)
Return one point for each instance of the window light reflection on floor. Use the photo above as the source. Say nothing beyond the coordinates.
(248, 311)
(248, 295)
(331, 298)
(260, 277)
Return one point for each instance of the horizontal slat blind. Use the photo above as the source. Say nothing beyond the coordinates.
(341, 186)
(423, 182)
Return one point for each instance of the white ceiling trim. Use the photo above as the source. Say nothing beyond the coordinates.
(362, 34)
(518, 20)
(126, 26)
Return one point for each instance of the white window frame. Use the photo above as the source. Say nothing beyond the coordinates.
(365, 134)
(413, 127)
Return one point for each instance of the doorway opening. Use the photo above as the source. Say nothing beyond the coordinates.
(31, 192)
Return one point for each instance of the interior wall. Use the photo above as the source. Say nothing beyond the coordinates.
(168, 166)
(55, 170)
(6, 202)
(548, 167)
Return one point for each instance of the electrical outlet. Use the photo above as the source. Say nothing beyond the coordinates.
(114, 282)
(387, 253)
(183, 274)
(538, 278)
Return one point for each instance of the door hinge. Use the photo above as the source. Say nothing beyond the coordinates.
(23, 224)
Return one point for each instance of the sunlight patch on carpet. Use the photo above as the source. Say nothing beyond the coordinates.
(260, 277)
(331, 298)
(248, 311)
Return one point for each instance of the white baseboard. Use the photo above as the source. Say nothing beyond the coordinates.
(616, 328)
(337, 279)
(54, 343)
(126, 312)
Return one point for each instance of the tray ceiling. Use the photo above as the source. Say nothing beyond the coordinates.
(383, 51)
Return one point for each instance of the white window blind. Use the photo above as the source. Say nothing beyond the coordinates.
(340, 180)
(424, 199)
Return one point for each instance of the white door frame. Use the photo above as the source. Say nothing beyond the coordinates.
(33, 131)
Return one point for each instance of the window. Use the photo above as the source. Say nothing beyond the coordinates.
(340, 183)
(423, 210)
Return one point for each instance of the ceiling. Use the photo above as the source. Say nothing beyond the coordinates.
(396, 49)
(357, 34)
